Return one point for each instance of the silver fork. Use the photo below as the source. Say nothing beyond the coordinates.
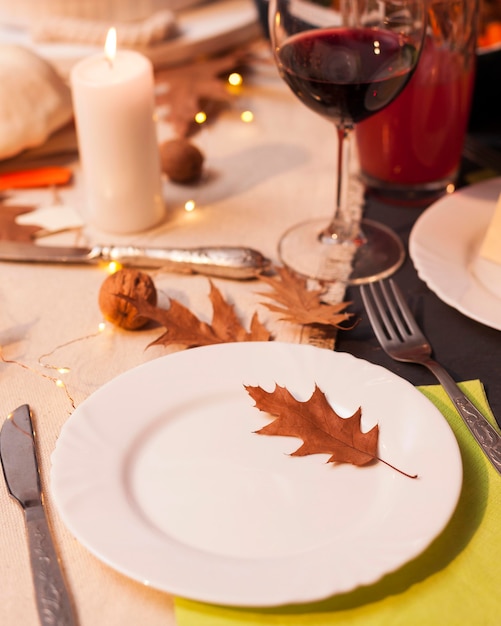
(402, 339)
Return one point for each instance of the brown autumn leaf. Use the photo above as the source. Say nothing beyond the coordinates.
(10, 230)
(320, 428)
(184, 328)
(292, 299)
(317, 424)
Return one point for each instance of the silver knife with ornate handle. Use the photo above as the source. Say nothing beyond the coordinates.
(235, 262)
(20, 468)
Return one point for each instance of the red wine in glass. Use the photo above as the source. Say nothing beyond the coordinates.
(345, 62)
(335, 72)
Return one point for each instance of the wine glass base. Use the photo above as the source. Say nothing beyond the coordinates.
(379, 254)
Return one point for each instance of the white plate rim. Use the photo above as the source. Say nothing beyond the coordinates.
(443, 262)
(87, 477)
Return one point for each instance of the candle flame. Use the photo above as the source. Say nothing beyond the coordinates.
(110, 47)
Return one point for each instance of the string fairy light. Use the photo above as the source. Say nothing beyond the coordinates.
(189, 206)
(66, 370)
(235, 79)
(57, 381)
(113, 266)
(201, 117)
(247, 116)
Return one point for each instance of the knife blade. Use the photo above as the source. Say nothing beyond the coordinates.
(21, 472)
(239, 263)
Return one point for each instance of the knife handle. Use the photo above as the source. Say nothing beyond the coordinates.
(52, 597)
(236, 262)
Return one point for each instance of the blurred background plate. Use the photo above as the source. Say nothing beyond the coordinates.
(205, 29)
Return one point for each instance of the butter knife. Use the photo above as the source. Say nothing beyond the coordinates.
(224, 262)
(20, 468)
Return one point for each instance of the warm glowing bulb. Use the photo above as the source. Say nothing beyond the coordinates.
(113, 266)
(189, 206)
(101, 327)
(247, 116)
(59, 383)
(235, 79)
(451, 188)
(63, 370)
(200, 117)
(110, 47)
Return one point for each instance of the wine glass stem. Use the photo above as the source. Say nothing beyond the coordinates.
(341, 229)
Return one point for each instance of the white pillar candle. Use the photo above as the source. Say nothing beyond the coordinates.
(113, 98)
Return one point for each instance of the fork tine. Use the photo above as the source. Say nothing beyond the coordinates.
(397, 315)
(388, 313)
(382, 308)
(376, 314)
(404, 309)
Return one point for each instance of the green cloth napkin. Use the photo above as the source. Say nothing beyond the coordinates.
(456, 581)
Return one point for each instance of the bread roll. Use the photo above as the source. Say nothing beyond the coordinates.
(34, 100)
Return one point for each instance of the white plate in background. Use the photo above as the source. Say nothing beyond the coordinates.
(204, 29)
(443, 246)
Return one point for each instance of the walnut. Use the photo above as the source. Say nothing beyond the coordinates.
(131, 283)
(181, 160)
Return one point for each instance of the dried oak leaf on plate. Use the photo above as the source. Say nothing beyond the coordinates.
(184, 328)
(296, 304)
(318, 425)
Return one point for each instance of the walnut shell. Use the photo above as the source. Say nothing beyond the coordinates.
(181, 160)
(126, 282)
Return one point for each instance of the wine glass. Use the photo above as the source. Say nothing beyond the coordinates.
(345, 60)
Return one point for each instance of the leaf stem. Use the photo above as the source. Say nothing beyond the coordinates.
(397, 469)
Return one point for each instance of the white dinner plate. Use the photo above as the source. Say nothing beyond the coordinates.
(162, 476)
(444, 243)
(204, 29)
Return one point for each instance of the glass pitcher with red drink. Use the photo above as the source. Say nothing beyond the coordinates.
(412, 148)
